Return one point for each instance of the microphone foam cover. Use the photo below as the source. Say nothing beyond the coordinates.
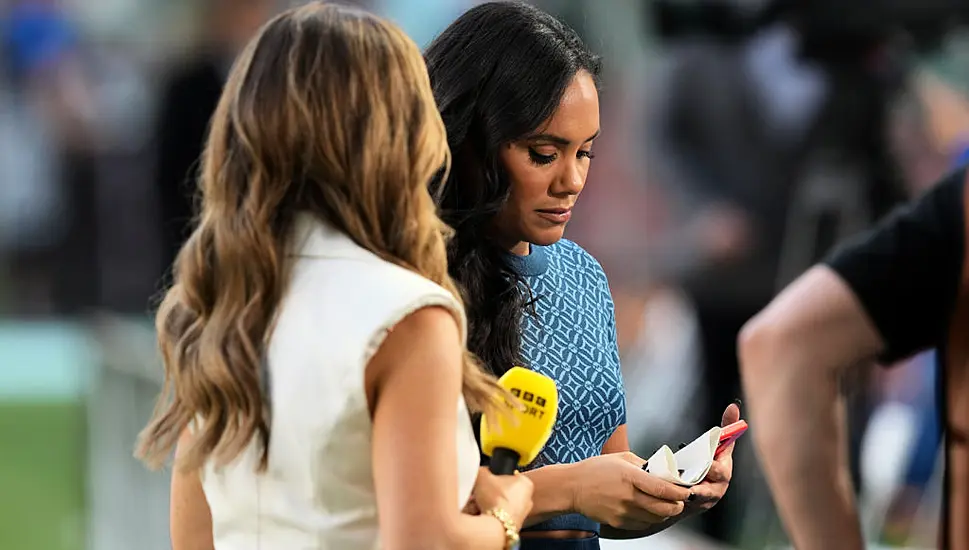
(527, 427)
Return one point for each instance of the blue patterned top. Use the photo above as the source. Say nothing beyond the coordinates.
(573, 341)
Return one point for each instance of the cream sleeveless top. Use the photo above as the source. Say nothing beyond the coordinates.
(318, 491)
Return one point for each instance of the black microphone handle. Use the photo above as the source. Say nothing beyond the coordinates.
(503, 462)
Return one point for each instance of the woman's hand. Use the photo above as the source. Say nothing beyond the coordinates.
(613, 489)
(511, 493)
(711, 490)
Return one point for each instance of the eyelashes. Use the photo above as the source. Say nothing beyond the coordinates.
(543, 160)
(539, 158)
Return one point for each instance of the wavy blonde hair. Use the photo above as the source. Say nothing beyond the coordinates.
(328, 110)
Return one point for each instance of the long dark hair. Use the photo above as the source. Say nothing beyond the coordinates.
(498, 72)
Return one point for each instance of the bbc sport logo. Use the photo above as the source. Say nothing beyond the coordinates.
(537, 409)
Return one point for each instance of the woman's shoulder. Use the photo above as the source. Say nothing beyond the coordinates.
(370, 279)
(574, 256)
(322, 251)
(348, 306)
(333, 272)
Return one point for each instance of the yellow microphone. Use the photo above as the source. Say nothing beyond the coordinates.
(515, 438)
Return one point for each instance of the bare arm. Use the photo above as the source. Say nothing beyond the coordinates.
(886, 293)
(555, 485)
(190, 520)
(414, 382)
(791, 356)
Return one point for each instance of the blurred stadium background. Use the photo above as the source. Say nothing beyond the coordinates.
(102, 106)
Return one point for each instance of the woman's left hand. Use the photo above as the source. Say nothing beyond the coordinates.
(706, 493)
(711, 490)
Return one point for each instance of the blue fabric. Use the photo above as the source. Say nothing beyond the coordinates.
(573, 341)
(590, 543)
(926, 452)
(961, 156)
(37, 34)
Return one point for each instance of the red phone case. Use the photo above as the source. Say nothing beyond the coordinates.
(731, 433)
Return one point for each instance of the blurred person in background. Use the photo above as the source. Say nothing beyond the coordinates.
(189, 96)
(887, 294)
(316, 374)
(929, 123)
(771, 145)
(711, 150)
(47, 169)
(518, 92)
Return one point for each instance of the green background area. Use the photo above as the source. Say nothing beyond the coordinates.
(42, 473)
(45, 369)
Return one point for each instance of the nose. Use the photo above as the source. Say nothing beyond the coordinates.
(570, 180)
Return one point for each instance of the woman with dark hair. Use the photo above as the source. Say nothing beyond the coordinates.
(518, 92)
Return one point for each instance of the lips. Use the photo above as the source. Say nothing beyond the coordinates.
(555, 215)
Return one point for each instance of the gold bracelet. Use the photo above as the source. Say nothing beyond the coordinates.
(512, 540)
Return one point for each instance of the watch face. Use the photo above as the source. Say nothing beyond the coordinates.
(515, 545)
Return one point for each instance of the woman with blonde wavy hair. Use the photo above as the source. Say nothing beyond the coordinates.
(313, 342)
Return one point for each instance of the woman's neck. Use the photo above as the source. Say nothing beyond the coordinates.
(514, 246)
(520, 249)
(511, 244)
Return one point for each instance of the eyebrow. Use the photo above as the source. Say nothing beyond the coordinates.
(558, 140)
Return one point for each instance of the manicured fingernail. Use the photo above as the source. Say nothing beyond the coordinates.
(691, 498)
(738, 402)
(681, 446)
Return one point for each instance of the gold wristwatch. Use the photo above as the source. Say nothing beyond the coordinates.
(512, 540)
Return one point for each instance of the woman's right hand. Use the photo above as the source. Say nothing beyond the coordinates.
(613, 489)
(513, 494)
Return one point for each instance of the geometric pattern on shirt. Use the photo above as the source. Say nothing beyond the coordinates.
(574, 343)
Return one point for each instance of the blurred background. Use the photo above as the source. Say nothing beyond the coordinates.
(740, 140)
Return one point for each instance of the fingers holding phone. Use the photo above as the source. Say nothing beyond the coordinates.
(733, 428)
(717, 481)
(616, 491)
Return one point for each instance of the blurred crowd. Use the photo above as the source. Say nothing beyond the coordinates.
(727, 165)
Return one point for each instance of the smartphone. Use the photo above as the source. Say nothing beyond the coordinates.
(730, 434)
